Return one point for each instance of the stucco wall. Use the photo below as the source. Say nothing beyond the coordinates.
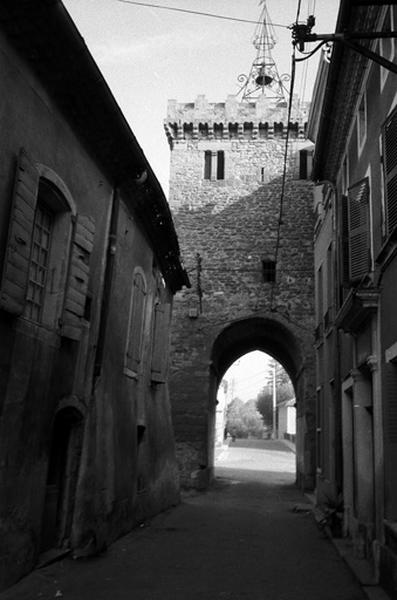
(43, 372)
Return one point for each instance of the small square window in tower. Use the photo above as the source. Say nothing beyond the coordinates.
(268, 271)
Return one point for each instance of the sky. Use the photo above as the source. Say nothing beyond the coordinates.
(247, 375)
(150, 55)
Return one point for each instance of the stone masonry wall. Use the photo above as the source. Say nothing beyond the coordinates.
(233, 225)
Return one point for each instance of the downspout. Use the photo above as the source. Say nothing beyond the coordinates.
(107, 286)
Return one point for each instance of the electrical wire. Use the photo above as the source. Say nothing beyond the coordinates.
(285, 164)
(298, 10)
(196, 12)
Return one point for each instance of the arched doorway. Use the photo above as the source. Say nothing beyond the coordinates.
(279, 340)
(255, 399)
(63, 466)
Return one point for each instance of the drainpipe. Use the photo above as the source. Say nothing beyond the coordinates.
(107, 286)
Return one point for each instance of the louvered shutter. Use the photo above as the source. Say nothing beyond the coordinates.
(358, 219)
(390, 170)
(160, 349)
(134, 347)
(16, 262)
(77, 287)
(345, 240)
(390, 388)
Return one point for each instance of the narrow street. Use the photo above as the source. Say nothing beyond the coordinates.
(249, 537)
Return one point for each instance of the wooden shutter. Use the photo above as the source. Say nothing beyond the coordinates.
(160, 349)
(390, 170)
(390, 388)
(358, 220)
(134, 346)
(345, 240)
(16, 261)
(79, 268)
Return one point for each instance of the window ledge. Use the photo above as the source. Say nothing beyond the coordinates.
(130, 373)
(358, 307)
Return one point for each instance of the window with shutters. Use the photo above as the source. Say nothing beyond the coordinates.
(358, 230)
(214, 165)
(390, 171)
(45, 269)
(344, 277)
(133, 354)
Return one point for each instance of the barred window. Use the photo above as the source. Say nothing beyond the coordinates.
(39, 261)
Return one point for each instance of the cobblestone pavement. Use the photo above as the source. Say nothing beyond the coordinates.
(248, 538)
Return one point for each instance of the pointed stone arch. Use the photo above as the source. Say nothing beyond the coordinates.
(196, 377)
(283, 341)
(257, 333)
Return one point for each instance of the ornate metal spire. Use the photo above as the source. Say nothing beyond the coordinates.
(263, 78)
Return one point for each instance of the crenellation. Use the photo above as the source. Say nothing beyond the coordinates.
(186, 128)
(232, 112)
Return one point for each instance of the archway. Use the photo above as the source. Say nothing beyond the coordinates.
(280, 341)
(63, 465)
(255, 400)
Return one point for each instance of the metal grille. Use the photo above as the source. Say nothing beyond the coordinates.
(39, 259)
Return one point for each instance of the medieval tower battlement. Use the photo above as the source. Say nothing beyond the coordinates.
(241, 200)
(233, 119)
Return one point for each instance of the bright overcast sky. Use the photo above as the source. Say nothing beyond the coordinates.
(149, 55)
(248, 375)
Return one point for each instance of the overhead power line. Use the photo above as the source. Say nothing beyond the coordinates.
(196, 12)
(285, 164)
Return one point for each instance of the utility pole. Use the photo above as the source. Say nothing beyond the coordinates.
(274, 420)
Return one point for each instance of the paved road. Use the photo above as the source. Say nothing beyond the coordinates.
(242, 540)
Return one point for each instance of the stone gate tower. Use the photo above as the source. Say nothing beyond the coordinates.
(242, 205)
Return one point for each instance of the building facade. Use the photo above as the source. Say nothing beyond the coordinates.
(90, 262)
(354, 125)
(246, 238)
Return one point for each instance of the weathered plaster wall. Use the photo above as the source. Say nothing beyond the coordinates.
(43, 373)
